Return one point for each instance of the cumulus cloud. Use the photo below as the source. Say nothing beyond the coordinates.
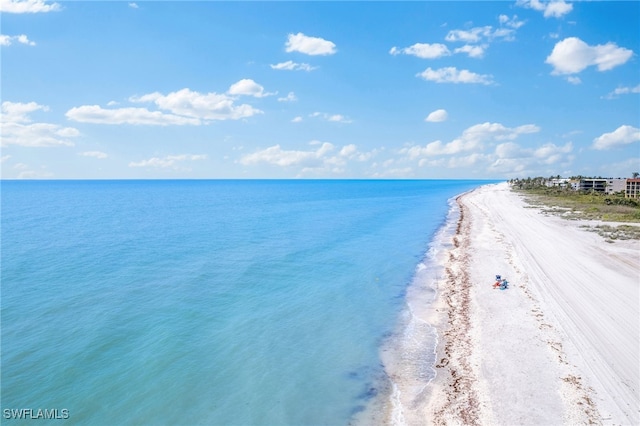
(623, 135)
(198, 106)
(18, 112)
(133, 5)
(6, 40)
(184, 107)
(27, 6)
(291, 97)
(336, 118)
(622, 91)
(248, 87)
(437, 116)
(297, 119)
(423, 50)
(208, 106)
(292, 66)
(170, 161)
(473, 51)
(574, 80)
(309, 45)
(130, 115)
(478, 34)
(17, 127)
(472, 138)
(510, 22)
(554, 8)
(323, 159)
(275, 155)
(572, 55)
(453, 75)
(510, 158)
(95, 154)
(550, 153)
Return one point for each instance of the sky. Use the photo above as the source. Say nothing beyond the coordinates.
(364, 90)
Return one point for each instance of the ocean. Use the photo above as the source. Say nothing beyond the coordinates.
(217, 302)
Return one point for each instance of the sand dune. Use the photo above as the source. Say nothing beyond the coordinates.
(560, 346)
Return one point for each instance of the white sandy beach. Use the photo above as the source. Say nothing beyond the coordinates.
(560, 346)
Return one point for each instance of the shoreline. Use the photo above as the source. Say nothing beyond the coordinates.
(560, 346)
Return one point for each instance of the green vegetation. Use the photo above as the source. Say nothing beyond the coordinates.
(572, 204)
(612, 233)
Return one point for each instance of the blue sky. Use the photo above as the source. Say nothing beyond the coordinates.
(146, 89)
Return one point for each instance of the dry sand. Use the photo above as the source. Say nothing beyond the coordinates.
(560, 346)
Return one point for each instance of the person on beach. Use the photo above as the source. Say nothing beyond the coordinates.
(497, 283)
(500, 283)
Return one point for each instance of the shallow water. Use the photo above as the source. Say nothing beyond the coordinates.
(208, 302)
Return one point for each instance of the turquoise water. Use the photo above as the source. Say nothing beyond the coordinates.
(207, 302)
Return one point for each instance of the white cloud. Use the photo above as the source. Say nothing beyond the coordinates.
(133, 5)
(184, 107)
(423, 50)
(453, 75)
(4, 158)
(477, 34)
(550, 153)
(291, 97)
(466, 161)
(248, 87)
(275, 155)
(27, 6)
(574, 80)
(622, 91)
(297, 119)
(17, 128)
(621, 168)
(94, 154)
(572, 55)
(6, 40)
(18, 112)
(623, 135)
(472, 138)
(496, 131)
(511, 22)
(337, 118)
(470, 154)
(511, 159)
(198, 106)
(554, 8)
(27, 173)
(557, 9)
(168, 161)
(293, 66)
(136, 116)
(473, 51)
(348, 150)
(319, 160)
(309, 45)
(437, 116)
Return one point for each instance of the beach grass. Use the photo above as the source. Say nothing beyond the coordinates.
(576, 205)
